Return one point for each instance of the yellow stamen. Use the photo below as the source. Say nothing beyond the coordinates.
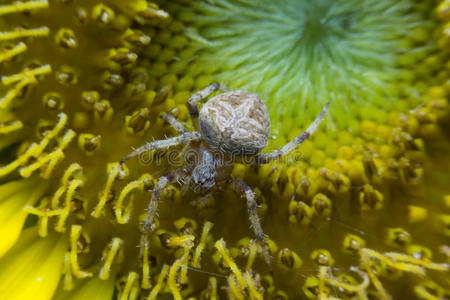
(183, 278)
(358, 288)
(415, 261)
(373, 277)
(183, 273)
(123, 215)
(423, 293)
(198, 251)
(10, 53)
(22, 6)
(184, 241)
(251, 255)
(397, 265)
(22, 159)
(49, 169)
(254, 294)
(67, 138)
(213, 285)
(67, 271)
(11, 126)
(44, 69)
(74, 236)
(73, 186)
(113, 175)
(171, 280)
(12, 93)
(49, 136)
(145, 269)
(69, 173)
(43, 214)
(362, 295)
(310, 287)
(27, 171)
(220, 245)
(322, 293)
(134, 293)
(112, 253)
(21, 33)
(162, 275)
(234, 289)
(129, 286)
(57, 195)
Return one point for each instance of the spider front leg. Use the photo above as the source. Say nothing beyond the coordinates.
(266, 158)
(182, 139)
(200, 95)
(174, 123)
(245, 190)
(147, 228)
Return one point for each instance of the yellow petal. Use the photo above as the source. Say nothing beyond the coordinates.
(93, 289)
(14, 196)
(32, 268)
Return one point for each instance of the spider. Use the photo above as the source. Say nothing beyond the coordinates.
(233, 126)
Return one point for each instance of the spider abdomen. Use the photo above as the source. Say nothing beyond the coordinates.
(236, 123)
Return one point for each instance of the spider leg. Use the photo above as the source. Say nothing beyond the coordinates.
(172, 121)
(171, 177)
(147, 228)
(182, 139)
(245, 190)
(268, 157)
(200, 95)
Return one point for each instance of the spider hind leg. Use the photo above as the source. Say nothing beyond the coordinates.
(245, 190)
(266, 158)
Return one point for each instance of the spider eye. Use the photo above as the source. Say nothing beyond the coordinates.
(203, 177)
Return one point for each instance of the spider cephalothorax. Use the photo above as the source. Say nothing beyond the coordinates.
(203, 177)
(233, 125)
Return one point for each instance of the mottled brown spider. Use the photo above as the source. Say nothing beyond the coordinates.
(231, 127)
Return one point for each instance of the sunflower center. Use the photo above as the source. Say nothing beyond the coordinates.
(317, 27)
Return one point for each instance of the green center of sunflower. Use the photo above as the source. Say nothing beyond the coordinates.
(309, 53)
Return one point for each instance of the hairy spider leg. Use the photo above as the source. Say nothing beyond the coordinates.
(245, 190)
(200, 95)
(172, 121)
(182, 139)
(169, 178)
(268, 157)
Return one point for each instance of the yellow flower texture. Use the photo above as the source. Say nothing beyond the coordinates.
(360, 211)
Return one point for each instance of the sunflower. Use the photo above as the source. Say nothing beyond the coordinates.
(360, 211)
